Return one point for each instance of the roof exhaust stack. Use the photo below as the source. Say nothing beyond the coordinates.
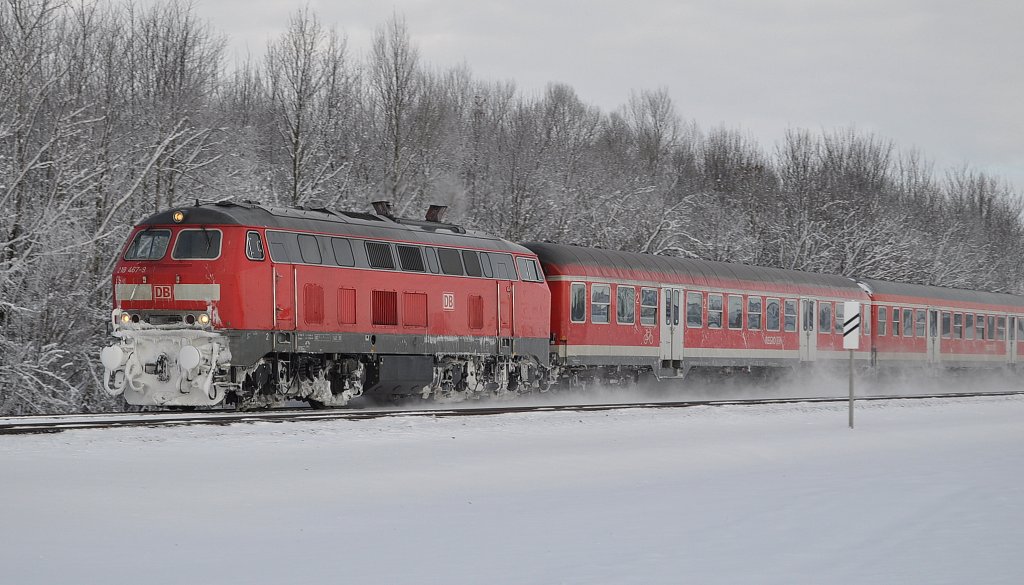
(436, 213)
(384, 208)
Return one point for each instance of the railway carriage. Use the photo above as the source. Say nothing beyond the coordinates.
(945, 327)
(626, 312)
(257, 304)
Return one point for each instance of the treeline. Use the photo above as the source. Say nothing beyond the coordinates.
(110, 112)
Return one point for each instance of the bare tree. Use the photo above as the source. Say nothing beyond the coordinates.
(396, 85)
(307, 85)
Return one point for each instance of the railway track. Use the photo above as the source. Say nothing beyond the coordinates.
(60, 423)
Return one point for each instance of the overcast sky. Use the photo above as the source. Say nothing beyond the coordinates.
(942, 76)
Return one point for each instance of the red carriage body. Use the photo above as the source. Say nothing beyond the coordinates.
(672, 314)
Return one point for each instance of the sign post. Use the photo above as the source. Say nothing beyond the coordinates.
(851, 340)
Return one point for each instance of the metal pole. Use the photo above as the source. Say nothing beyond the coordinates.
(851, 388)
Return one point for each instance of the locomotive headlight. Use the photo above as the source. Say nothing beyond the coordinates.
(125, 318)
(111, 357)
(204, 319)
(189, 358)
(178, 216)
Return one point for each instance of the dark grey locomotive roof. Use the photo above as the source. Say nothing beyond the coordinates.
(939, 293)
(341, 223)
(632, 265)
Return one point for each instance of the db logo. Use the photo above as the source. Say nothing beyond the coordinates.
(448, 301)
(162, 292)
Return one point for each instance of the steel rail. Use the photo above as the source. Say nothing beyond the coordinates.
(60, 423)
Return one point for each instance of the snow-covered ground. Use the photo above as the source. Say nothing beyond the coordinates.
(920, 492)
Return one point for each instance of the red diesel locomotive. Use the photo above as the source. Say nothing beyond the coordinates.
(254, 305)
(258, 305)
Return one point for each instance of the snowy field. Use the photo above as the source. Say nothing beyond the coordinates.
(921, 492)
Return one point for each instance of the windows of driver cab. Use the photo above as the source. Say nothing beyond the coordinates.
(254, 246)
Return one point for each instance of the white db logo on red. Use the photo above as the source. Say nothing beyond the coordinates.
(448, 301)
(162, 292)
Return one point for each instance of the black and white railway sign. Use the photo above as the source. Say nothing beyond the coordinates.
(851, 325)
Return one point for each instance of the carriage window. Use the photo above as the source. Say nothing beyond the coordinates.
(991, 327)
(485, 263)
(578, 302)
(668, 307)
(1001, 329)
(694, 309)
(379, 255)
(754, 313)
(410, 258)
(840, 320)
(504, 268)
(969, 326)
(528, 270)
(958, 326)
(600, 301)
(789, 313)
(883, 317)
(282, 244)
(451, 261)
(735, 312)
(714, 311)
(343, 252)
(197, 245)
(825, 318)
(472, 262)
(309, 249)
(148, 245)
(675, 307)
(908, 323)
(254, 246)
(1020, 328)
(625, 305)
(772, 317)
(648, 306)
(895, 321)
(980, 326)
(432, 264)
(946, 325)
(920, 322)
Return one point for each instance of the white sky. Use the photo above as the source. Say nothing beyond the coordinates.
(942, 76)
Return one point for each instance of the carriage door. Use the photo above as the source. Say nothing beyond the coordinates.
(933, 340)
(808, 340)
(671, 327)
(506, 315)
(1011, 339)
(284, 296)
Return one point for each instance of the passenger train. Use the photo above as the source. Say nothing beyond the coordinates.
(251, 305)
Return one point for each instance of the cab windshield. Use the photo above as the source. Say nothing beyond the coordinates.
(148, 245)
(197, 245)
